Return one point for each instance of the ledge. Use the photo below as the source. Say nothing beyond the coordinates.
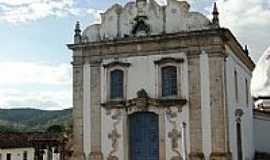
(144, 103)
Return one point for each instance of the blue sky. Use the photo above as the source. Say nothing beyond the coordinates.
(35, 63)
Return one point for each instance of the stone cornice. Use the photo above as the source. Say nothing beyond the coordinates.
(140, 40)
(212, 41)
(238, 50)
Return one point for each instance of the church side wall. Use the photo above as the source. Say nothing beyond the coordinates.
(243, 74)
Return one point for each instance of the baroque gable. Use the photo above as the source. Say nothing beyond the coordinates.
(142, 18)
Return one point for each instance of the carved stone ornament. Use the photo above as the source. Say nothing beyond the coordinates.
(143, 102)
(174, 134)
(142, 94)
(176, 158)
(114, 135)
(141, 28)
(238, 114)
(96, 156)
(112, 158)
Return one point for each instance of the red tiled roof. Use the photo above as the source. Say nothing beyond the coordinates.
(16, 140)
(25, 140)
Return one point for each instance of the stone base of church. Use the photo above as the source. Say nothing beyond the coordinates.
(96, 156)
(220, 156)
(196, 156)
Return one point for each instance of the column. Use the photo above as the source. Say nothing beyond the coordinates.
(195, 116)
(218, 106)
(95, 78)
(77, 109)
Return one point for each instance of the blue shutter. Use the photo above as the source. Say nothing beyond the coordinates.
(143, 136)
(169, 81)
(117, 81)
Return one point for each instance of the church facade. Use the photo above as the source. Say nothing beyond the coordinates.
(158, 82)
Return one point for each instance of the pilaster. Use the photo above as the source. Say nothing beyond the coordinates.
(195, 116)
(95, 78)
(218, 105)
(77, 109)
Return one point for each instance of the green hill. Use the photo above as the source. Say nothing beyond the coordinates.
(27, 120)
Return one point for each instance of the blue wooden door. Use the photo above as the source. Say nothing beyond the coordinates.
(143, 136)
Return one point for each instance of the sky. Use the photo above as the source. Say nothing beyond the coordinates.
(35, 62)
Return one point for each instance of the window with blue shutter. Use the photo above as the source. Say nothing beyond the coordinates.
(169, 81)
(117, 82)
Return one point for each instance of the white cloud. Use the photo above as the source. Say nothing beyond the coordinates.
(34, 73)
(261, 74)
(95, 13)
(249, 21)
(28, 10)
(49, 100)
(18, 2)
(36, 85)
(21, 11)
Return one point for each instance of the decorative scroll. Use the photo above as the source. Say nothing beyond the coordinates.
(114, 135)
(174, 134)
(143, 102)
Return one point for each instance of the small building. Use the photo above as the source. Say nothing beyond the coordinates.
(262, 103)
(14, 146)
(32, 146)
(261, 129)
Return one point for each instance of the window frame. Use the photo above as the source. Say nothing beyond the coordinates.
(108, 68)
(110, 84)
(162, 81)
(166, 62)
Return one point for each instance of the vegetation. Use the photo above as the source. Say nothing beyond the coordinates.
(28, 120)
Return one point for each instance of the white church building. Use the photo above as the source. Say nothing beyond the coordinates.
(158, 82)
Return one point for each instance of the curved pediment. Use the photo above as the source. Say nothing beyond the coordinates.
(143, 18)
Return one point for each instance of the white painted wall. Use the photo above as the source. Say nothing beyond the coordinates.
(232, 64)
(261, 132)
(142, 73)
(176, 18)
(107, 127)
(181, 117)
(17, 153)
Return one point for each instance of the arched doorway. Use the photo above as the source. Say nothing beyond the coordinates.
(143, 136)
